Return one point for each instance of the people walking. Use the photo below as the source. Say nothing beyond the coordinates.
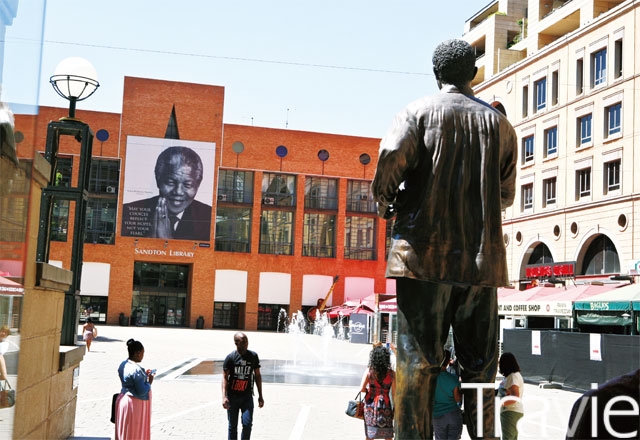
(510, 391)
(133, 406)
(241, 370)
(89, 332)
(378, 384)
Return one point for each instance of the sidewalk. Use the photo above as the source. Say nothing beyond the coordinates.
(189, 407)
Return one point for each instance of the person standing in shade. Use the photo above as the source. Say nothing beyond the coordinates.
(447, 416)
(446, 170)
(510, 392)
(133, 405)
(241, 369)
(378, 384)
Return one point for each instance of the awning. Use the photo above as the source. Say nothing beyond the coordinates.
(341, 311)
(621, 299)
(8, 287)
(388, 306)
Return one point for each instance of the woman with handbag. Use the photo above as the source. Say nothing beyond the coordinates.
(378, 384)
(133, 406)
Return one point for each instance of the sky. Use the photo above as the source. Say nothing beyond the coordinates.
(340, 66)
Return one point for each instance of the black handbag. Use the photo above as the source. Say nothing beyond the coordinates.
(7, 395)
(355, 408)
(113, 407)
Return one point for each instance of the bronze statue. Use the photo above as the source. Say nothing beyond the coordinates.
(446, 170)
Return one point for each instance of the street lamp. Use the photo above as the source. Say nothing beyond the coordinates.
(74, 79)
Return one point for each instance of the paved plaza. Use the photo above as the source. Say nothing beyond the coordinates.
(308, 380)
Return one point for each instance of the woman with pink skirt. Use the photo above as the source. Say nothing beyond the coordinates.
(133, 406)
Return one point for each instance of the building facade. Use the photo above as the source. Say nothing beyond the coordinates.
(565, 74)
(281, 214)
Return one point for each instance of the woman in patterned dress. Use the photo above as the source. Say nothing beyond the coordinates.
(378, 384)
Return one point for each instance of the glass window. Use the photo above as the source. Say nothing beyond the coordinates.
(100, 221)
(359, 197)
(613, 118)
(612, 175)
(579, 76)
(551, 141)
(583, 183)
(160, 277)
(527, 149)
(235, 186)
(59, 220)
(226, 315)
(617, 62)
(233, 229)
(584, 126)
(549, 190)
(525, 101)
(321, 193)
(64, 170)
(276, 232)
(359, 238)
(541, 93)
(554, 87)
(104, 176)
(527, 196)
(318, 239)
(278, 189)
(270, 317)
(599, 67)
(387, 237)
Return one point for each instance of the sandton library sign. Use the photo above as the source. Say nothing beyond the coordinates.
(164, 253)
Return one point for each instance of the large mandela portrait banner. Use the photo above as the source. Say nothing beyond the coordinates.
(168, 189)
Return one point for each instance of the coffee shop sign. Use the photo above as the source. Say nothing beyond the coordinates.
(164, 253)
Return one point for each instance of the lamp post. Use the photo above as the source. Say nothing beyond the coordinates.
(74, 79)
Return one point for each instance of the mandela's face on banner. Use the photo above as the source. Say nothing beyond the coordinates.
(178, 186)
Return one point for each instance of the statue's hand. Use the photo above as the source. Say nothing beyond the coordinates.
(386, 211)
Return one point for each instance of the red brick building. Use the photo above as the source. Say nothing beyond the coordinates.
(290, 210)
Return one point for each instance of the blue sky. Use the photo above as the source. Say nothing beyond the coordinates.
(343, 66)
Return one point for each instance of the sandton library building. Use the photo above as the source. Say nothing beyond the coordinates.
(193, 222)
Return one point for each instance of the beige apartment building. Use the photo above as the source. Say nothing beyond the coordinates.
(566, 75)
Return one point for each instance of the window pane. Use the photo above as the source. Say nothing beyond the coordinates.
(318, 238)
(541, 93)
(599, 68)
(321, 193)
(104, 176)
(100, 221)
(359, 238)
(59, 220)
(276, 232)
(551, 140)
(527, 196)
(278, 189)
(235, 186)
(527, 149)
(359, 197)
(614, 113)
(233, 229)
(585, 129)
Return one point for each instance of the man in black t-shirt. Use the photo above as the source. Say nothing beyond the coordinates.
(241, 368)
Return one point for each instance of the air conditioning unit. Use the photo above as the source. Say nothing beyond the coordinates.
(111, 189)
(269, 201)
(222, 197)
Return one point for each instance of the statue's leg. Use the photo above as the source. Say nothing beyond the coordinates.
(424, 316)
(475, 329)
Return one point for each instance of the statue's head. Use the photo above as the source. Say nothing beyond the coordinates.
(454, 62)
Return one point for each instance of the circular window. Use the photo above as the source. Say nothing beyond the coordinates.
(574, 229)
(623, 222)
(556, 232)
(505, 238)
(519, 237)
